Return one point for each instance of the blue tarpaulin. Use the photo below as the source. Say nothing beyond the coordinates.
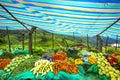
(66, 17)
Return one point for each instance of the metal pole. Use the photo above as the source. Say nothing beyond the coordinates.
(8, 39)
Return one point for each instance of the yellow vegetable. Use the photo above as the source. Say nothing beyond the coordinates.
(78, 61)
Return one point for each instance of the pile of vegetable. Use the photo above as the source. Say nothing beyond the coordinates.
(15, 62)
(4, 63)
(27, 64)
(71, 59)
(105, 68)
(46, 57)
(66, 66)
(78, 61)
(59, 56)
(42, 67)
(92, 60)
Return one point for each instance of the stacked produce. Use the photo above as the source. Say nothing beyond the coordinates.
(15, 62)
(71, 59)
(42, 67)
(113, 61)
(92, 59)
(78, 61)
(46, 57)
(66, 66)
(27, 64)
(4, 63)
(61, 63)
(105, 68)
(59, 56)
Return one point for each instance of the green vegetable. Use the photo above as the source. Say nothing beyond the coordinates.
(27, 64)
(15, 62)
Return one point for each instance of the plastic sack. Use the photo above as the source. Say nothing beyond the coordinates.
(6, 76)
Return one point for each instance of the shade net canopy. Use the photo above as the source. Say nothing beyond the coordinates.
(67, 17)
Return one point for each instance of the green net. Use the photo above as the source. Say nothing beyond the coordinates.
(25, 76)
(90, 74)
(93, 69)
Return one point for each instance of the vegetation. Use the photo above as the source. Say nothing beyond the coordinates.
(44, 42)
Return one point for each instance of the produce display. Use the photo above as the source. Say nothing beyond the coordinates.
(59, 56)
(4, 63)
(15, 62)
(78, 61)
(105, 68)
(71, 59)
(66, 66)
(42, 67)
(46, 57)
(27, 64)
(92, 60)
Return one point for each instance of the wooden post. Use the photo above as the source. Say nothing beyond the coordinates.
(87, 41)
(116, 42)
(73, 36)
(8, 40)
(35, 39)
(23, 36)
(106, 43)
(53, 38)
(30, 39)
(97, 37)
(65, 41)
(100, 44)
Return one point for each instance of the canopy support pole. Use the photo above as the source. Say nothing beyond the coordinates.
(23, 36)
(87, 41)
(13, 16)
(53, 40)
(116, 42)
(8, 39)
(35, 39)
(109, 26)
(97, 37)
(65, 41)
(99, 43)
(30, 39)
(106, 43)
(73, 36)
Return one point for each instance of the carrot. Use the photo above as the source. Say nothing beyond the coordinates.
(4, 63)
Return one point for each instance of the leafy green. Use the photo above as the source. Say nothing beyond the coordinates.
(28, 64)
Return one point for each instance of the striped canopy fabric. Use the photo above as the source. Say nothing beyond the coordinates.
(67, 17)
